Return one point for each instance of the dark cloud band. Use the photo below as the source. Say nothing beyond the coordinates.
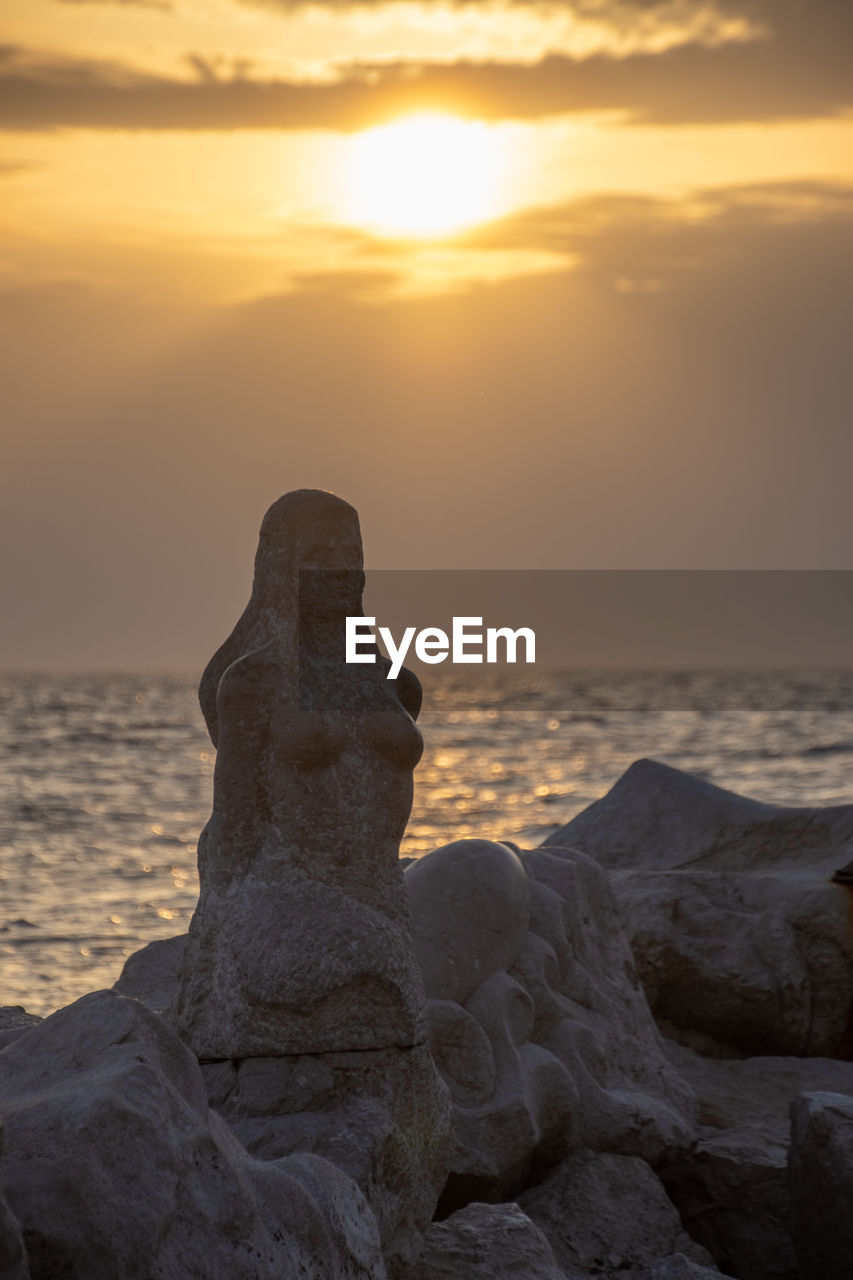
(804, 70)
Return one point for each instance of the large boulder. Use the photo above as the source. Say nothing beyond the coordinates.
(608, 1213)
(761, 962)
(731, 1184)
(115, 1166)
(821, 1185)
(486, 1242)
(662, 819)
(737, 929)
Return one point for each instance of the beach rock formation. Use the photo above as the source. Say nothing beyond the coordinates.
(299, 988)
(737, 930)
(821, 1185)
(539, 1027)
(153, 974)
(13, 1257)
(14, 1021)
(662, 819)
(761, 962)
(731, 1184)
(608, 1212)
(486, 1242)
(115, 1166)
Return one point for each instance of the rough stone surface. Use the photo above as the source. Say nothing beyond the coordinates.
(470, 909)
(821, 1182)
(678, 1267)
(14, 1021)
(299, 986)
(556, 1051)
(736, 928)
(760, 962)
(300, 941)
(381, 1116)
(115, 1166)
(608, 1213)
(153, 974)
(731, 1184)
(13, 1258)
(662, 819)
(486, 1242)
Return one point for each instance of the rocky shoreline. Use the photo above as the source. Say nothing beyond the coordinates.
(588, 1139)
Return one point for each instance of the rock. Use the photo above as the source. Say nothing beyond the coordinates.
(731, 1190)
(821, 1185)
(14, 1021)
(762, 963)
(659, 818)
(300, 942)
(153, 974)
(555, 1050)
(470, 909)
(731, 1184)
(737, 930)
(486, 1242)
(116, 1167)
(381, 1116)
(677, 1267)
(13, 1257)
(608, 1213)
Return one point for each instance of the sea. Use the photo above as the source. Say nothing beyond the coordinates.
(106, 781)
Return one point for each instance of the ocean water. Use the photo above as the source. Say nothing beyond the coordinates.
(105, 784)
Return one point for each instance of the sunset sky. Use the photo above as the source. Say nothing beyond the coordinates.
(559, 285)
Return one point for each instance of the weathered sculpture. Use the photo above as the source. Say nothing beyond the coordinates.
(300, 991)
(300, 942)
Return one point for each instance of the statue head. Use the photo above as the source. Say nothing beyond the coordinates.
(310, 550)
(308, 571)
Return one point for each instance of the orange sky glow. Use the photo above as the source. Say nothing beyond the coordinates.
(253, 244)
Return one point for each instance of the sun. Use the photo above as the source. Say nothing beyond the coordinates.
(424, 176)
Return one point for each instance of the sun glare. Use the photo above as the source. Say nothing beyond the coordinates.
(425, 176)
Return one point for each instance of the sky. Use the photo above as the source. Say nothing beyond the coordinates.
(532, 285)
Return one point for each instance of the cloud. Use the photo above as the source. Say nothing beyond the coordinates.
(672, 235)
(11, 168)
(140, 4)
(801, 69)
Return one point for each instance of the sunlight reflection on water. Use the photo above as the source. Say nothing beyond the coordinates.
(106, 782)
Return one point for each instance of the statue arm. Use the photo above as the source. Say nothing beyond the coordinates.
(227, 653)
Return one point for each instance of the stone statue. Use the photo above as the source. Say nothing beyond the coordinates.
(300, 990)
(300, 942)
